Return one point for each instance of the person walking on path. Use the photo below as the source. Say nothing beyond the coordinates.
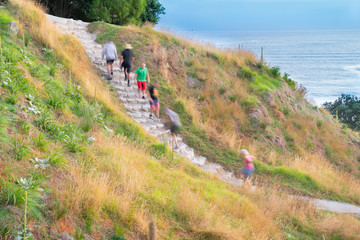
(127, 59)
(175, 125)
(109, 51)
(153, 95)
(249, 165)
(141, 77)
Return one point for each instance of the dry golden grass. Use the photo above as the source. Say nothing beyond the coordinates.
(69, 49)
(124, 175)
(118, 179)
(327, 175)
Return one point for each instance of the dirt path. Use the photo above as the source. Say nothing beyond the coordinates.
(139, 109)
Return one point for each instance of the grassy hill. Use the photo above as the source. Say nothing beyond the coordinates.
(228, 100)
(89, 171)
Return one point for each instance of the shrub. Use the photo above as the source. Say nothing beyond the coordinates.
(288, 80)
(222, 90)
(19, 149)
(275, 72)
(319, 123)
(347, 109)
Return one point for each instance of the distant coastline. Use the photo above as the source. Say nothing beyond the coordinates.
(326, 62)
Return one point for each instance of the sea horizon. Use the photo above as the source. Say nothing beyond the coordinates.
(326, 62)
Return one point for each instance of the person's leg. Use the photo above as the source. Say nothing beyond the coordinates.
(125, 71)
(151, 109)
(175, 140)
(108, 65)
(143, 89)
(139, 87)
(157, 108)
(128, 74)
(112, 68)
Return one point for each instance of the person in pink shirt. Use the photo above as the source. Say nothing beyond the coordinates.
(249, 165)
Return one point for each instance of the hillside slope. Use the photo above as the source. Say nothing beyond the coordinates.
(228, 101)
(105, 178)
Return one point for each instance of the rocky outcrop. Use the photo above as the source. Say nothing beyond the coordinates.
(260, 114)
(13, 27)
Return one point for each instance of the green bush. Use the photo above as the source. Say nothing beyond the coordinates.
(222, 90)
(288, 80)
(275, 72)
(319, 123)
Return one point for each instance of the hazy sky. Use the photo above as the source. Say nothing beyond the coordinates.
(260, 14)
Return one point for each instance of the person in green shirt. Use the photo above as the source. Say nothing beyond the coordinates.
(142, 77)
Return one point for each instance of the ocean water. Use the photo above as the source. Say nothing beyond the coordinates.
(327, 63)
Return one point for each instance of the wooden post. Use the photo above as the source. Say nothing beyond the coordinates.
(262, 55)
(172, 149)
(152, 230)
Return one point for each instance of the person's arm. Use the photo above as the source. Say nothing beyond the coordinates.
(148, 93)
(116, 55)
(135, 77)
(148, 77)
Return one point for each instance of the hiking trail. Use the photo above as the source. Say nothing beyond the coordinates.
(139, 110)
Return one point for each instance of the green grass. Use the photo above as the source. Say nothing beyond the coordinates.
(297, 181)
(198, 139)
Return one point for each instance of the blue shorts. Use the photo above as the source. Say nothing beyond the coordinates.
(155, 103)
(247, 172)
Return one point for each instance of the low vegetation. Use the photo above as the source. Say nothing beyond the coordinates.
(80, 166)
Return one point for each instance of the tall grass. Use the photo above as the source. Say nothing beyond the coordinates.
(117, 181)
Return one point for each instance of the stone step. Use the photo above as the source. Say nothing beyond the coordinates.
(140, 120)
(200, 161)
(136, 108)
(149, 127)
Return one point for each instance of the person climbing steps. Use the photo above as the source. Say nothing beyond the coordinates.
(141, 77)
(109, 51)
(174, 126)
(153, 95)
(127, 59)
(249, 165)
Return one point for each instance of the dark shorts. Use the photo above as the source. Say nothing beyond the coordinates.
(110, 61)
(126, 66)
(247, 172)
(155, 103)
(141, 85)
(174, 128)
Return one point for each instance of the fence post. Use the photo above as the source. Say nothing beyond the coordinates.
(152, 230)
(262, 55)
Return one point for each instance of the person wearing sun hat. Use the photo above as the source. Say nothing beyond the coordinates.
(127, 59)
(249, 165)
